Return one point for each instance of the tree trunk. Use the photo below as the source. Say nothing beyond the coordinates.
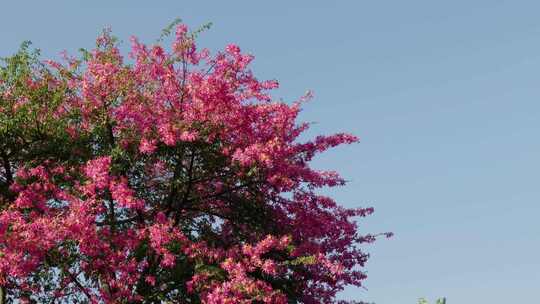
(2, 295)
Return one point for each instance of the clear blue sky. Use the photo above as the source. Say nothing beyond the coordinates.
(444, 95)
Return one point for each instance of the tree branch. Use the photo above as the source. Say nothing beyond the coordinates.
(82, 288)
(7, 168)
(189, 186)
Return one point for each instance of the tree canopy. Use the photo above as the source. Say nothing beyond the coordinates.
(168, 176)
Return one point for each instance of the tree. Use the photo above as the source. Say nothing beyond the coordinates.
(439, 301)
(168, 177)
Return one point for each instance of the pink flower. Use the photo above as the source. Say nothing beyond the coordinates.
(147, 146)
(98, 171)
(150, 280)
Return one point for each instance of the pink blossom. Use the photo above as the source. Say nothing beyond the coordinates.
(229, 202)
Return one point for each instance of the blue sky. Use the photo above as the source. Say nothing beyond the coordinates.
(444, 95)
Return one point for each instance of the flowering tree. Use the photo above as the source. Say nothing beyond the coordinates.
(168, 177)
